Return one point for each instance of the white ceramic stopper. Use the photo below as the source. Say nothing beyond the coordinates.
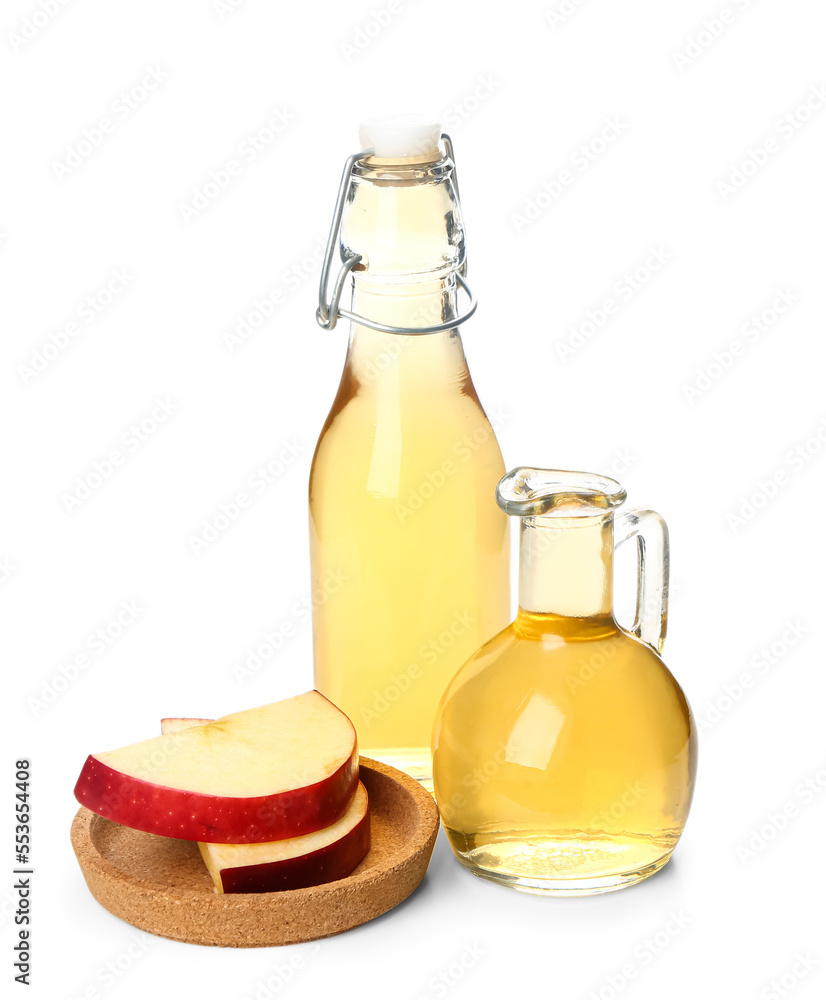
(395, 136)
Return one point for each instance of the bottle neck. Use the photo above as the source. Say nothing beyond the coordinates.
(379, 359)
(566, 569)
(404, 220)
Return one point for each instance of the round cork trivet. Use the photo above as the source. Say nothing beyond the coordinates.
(161, 885)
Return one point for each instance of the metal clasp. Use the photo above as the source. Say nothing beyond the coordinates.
(328, 313)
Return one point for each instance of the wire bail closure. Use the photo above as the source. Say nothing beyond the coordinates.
(328, 313)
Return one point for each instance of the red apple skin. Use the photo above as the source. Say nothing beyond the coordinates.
(175, 812)
(325, 865)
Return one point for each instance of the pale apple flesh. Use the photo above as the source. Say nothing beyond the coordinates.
(265, 774)
(177, 725)
(173, 725)
(314, 859)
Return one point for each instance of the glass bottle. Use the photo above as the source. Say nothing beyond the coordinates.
(409, 558)
(564, 750)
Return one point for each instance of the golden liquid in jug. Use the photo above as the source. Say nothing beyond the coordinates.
(590, 754)
(564, 752)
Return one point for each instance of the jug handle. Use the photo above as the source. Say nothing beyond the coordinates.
(651, 534)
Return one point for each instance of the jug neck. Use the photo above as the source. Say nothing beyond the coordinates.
(566, 569)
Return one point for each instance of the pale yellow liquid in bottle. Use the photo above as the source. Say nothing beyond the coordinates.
(409, 550)
(564, 754)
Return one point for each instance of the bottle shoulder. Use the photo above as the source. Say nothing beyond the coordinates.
(420, 427)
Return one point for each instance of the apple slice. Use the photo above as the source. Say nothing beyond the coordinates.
(315, 858)
(178, 725)
(269, 773)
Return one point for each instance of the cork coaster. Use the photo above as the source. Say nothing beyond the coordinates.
(161, 885)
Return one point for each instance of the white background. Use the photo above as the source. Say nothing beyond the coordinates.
(520, 95)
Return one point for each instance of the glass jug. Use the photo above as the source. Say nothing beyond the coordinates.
(564, 750)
